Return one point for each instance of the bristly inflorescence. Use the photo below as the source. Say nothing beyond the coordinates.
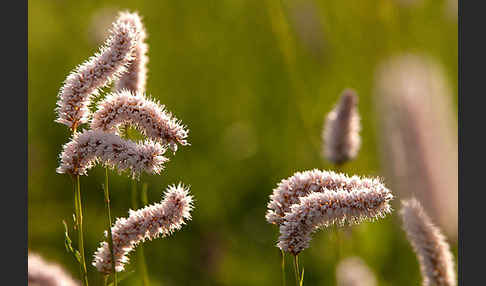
(150, 222)
(290, 190)
(353, 271)
(134, 79)
(432, 250)
(340, 135)
(92, 146)
(321, 209)
(151, 118)
(418, 139)
(84, 82)
(43, 273)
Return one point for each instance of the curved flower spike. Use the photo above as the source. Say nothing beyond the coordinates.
(84, 82)
(151, 118)
(330, 207)
(289, 191)
(91, 146)
(150, 222)
(41, 272)
(136, 76)
(433, 253)
(341, 130)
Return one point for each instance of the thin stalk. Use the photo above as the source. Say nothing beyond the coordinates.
(75, 218)
(296, 270)
(283, 267)
(133, 194)
(143, 265)
(287, 43)
(110, 236)
(79, 222)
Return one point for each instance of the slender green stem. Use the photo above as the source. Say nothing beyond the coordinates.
(76, 226)
(143, 267)
(133, 194)
(283, 267)
(110, 236)
(142, 263)
(140, 252)
(79, 222)
(296, 270)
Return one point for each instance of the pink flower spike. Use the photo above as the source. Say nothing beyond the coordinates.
(150, 222)
(340, 134)
(290, 190)
(151, 118)
(100, 70)
(92, 146)
(41, 272)
(430, 246)
(330, 207)
(136, 76)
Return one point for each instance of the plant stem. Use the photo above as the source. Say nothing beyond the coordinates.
(283, 267)
(79, 222)
(142, 263)
(296, 270)
(110, 236)
(133, 194)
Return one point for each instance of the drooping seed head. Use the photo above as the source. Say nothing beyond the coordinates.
(101, 69)
(290, 190)
(134, 79)
(150, 222)
(43, 273)
(125, 108)
(430, 246)
(94, 146)
(321, 209)
(340, 135)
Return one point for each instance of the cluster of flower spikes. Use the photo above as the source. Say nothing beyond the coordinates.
(122, 59)
(312, 199)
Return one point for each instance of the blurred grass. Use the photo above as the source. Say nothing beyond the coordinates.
(253, 83)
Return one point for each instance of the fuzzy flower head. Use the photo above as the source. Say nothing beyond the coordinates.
(353, 271)
(418, 135)
(290, 190)
(321, 209)
(101, 69)
(135, 77)
(151, 118)
(341, 130)
(43, 273)
(150, 222)
(93, 146)
(433, 253)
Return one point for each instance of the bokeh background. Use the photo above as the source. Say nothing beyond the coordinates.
(253, 80)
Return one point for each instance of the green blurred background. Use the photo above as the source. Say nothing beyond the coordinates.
(253, 81)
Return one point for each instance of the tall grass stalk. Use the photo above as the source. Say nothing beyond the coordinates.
(283, 267)
(140, 252)
(79, 225)
(298, 280)
(286, 39)
(110, 236)
(142, 263)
